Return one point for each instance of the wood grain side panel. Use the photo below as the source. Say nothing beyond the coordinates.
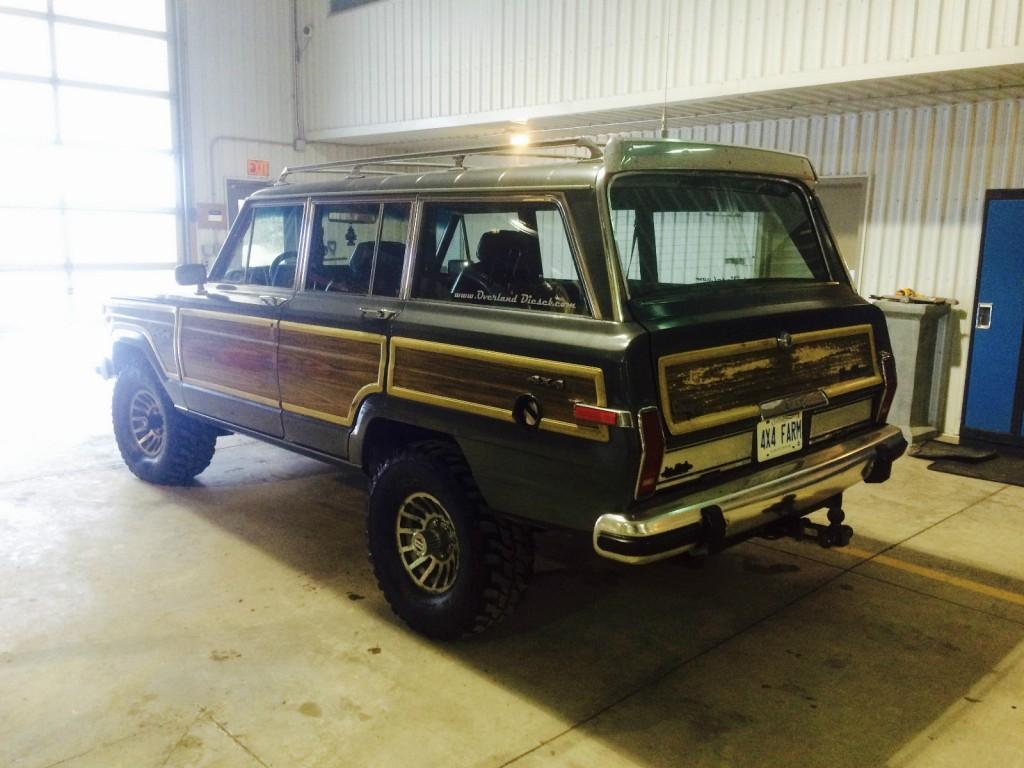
(709, 387)
(488, 383)
(325, 373)
(228, 353)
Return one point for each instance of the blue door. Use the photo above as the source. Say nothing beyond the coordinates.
(995, 384)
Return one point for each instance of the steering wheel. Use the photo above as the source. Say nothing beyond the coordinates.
(288, 258)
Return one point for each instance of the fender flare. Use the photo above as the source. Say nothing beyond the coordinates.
(126, 342)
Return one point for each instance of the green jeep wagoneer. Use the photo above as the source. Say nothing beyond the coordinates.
(653, 342)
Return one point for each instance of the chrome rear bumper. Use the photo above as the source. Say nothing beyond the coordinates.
(747, 503)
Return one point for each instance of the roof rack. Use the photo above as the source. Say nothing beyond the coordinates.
(458, 156)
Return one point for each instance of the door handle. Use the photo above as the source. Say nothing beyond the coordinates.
(378, 313)
(273, 301)
(984, 319)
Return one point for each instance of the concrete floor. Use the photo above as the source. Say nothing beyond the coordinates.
(236, 623)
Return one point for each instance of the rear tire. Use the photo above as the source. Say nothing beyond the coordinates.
(159, 444)
(446, 565)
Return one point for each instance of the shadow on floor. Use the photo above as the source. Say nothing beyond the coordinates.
(755, 656)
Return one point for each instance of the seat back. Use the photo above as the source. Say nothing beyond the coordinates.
(388, 275)
(510, 259)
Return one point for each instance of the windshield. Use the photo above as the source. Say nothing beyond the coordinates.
(679, 229)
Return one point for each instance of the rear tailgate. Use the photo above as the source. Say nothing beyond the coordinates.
(748, 373)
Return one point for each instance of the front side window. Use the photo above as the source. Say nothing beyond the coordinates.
(358, 248)
(504, 254)
(673, 230)
(263, 249)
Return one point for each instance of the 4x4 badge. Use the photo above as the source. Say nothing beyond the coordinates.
(784, 340)
(547, 381)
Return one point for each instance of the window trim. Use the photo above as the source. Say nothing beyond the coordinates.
(615, 258)
(572, 238)
(235, 233)
(380, 200)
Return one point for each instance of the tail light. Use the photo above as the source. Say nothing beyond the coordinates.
(888, 385)
(652, 451)
(592, 414)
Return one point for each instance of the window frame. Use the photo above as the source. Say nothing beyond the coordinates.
(356, 199)
(247, 212)
(572, 237)
(807, 197)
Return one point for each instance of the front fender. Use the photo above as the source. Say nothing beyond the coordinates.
(128, 344)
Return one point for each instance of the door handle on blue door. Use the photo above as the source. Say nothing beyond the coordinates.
(984, 319)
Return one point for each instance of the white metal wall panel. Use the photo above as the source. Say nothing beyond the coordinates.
(400, 62)
(237, 54)
(238, 89)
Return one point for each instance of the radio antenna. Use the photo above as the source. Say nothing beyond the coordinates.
(664, 101)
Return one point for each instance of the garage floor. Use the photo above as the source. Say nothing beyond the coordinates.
(236, 623)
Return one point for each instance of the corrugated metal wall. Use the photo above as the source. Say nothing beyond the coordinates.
(398, 61)
(239, 83)
(238, 57)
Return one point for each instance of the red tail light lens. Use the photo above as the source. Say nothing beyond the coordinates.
(591, 414)
(652, 443)
(888, 385)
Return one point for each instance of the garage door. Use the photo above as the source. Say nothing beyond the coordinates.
(90, 194)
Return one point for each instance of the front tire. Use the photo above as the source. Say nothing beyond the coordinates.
(446, 565)
(159, 444)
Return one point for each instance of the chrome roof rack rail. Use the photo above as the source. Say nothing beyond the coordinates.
(458, 156)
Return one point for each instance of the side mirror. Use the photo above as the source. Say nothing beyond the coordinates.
(190, 274)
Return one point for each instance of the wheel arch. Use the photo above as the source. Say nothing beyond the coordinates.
(128, 346)
(384, 436)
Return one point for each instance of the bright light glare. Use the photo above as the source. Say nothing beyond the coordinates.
(30, 171)
(28, 5)
(33, 237)
(113, 58)
(33, 105)
(147, 14)
(519, 139)
(122, 238)
(24, 46)
(102, 178)
(90, 116)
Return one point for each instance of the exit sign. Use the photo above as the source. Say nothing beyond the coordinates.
(259, 168)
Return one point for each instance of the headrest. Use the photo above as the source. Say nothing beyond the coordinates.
(362, 260)
(509, 256)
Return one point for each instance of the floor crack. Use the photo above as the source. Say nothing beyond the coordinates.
(235, 739)
(181, 738)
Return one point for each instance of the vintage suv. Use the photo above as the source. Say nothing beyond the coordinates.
(657, 344)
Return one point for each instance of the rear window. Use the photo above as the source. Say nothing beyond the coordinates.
(674, 229)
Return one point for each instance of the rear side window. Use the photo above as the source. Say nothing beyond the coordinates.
(263, 249)
(676, 229)
(503, 254)
(358, 248)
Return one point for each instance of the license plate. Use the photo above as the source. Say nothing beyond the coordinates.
(779, 436)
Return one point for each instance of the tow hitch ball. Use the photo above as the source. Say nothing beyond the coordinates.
(835, 534)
